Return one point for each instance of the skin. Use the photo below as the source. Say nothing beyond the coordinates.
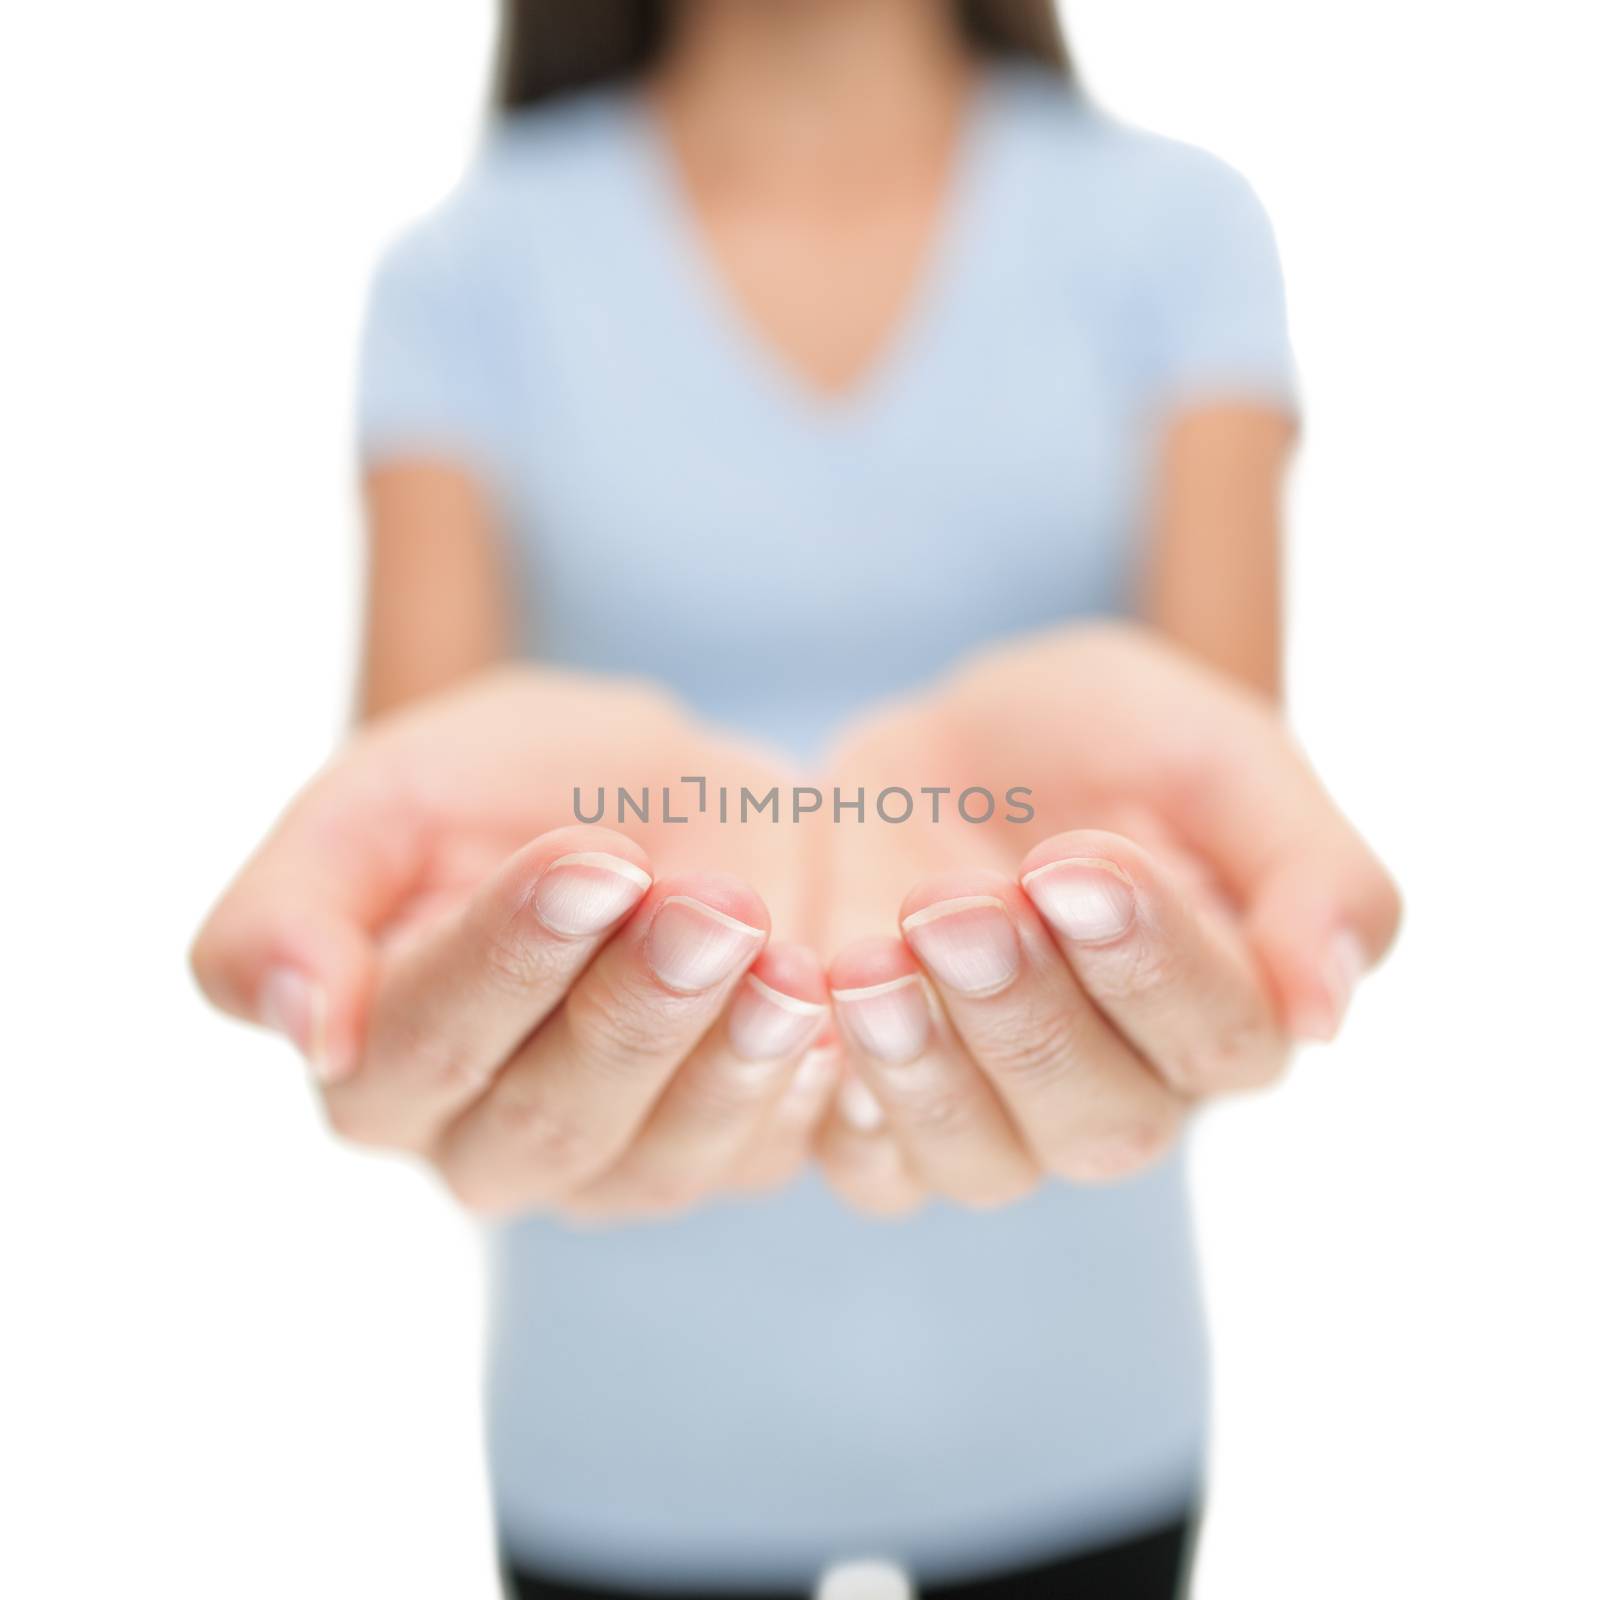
(1185, 904)
(412, 924)
(1166, 792)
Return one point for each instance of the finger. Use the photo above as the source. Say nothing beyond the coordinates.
(862, 1160)
(1088, 1107)
(719, 1096)
(567, 1104)
(1178, 982)
(290, 943)
(955, 1133)
(455, 1004)
(782, 1141)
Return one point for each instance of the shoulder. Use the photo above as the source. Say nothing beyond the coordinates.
(532, 173)
(1138, 187)
(1165, 247)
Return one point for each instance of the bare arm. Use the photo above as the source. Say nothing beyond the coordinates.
(1213, 580)
(438, 587)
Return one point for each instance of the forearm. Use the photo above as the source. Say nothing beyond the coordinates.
(437, 610)
(1213, 578)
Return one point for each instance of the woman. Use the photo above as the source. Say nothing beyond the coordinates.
(810, 372)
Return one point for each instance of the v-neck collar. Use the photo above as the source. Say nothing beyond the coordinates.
(708, 300)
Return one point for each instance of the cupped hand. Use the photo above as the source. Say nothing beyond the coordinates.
(597, 1021)
(1184, 902)
(590, 1020)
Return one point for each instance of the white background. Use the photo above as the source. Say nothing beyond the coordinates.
(239, 1360)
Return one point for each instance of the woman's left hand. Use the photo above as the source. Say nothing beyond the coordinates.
(1184, 905)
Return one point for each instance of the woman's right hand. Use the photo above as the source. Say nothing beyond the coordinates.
(578, 1022)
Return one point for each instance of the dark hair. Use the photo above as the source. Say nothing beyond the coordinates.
(550, 46)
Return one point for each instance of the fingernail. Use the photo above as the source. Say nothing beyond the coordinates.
(888, 1020)
(968, 944)
(1088, 901)
(691, 946)
(584, 893)
(1342, 968)
(765, 1025)
(290, 1004)
(858, 1105)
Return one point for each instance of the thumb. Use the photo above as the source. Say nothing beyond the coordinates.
(1319, 921)
(290, 944)
(1319, 907)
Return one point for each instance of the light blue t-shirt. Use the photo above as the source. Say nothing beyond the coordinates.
(746, 1394)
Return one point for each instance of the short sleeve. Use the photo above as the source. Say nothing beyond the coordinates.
(1221, 323)
(426, 372)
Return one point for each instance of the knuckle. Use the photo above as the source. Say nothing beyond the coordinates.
(1129, 972)
(515, 956)
(872, 1193)
(1114, 1154)
(664, 1193)
(933, 1112)
(414, 1054)
(607, 1023)
(1031, 1049)
(729, 1091)
(855, 1165)
(548, 1145)
(1242, 1055)
(996, 1192)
